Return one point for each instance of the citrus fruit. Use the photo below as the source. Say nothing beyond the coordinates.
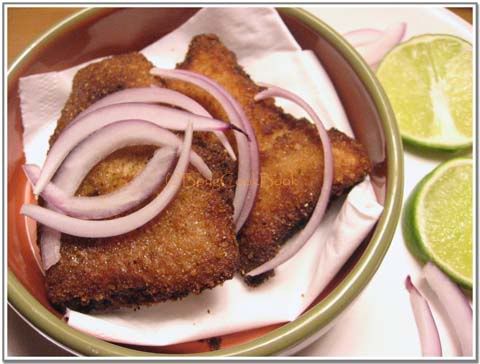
(437, 219)
(428, 80)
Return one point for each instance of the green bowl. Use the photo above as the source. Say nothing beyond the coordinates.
(366, 106)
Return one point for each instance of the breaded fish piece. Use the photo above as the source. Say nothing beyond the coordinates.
(291, 158)
(187, 248)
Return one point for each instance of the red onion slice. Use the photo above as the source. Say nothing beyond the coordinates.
(121, 225)
(248, 152)
(292, 248)
(427, 329)
(151, 94)
(455, 303)
(98, 145)
(156, 94)
(362, 37)
(92, 150)
(374, 52)
(111, 204)
(78, 130)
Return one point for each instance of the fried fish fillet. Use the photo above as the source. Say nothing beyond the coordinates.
(189, 247)
(291, 157)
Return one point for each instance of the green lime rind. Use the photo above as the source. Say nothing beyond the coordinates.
(425, 144)
(441, 144)
(411, 229)
(437, 154)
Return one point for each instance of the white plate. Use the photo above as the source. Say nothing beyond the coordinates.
(381, 324)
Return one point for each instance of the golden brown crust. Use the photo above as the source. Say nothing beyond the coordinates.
(95, 81)
(291, 157)
(189, 247)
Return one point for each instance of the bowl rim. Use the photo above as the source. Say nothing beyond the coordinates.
(319, 316)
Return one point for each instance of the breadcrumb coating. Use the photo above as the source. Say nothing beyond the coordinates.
(187, 248)
(291, 157)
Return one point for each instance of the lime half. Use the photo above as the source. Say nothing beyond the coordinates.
(429, 83)
(437, 220)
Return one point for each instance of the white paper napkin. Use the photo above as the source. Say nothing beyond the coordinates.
(269, 53)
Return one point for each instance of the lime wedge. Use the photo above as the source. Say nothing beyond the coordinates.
(429, 83)
(437, 219)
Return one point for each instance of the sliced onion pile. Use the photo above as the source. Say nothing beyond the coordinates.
(81, 160)
(79, 129)
(129, 118)
(111, 204)
(374, 44)
(455, 304)
(427, 329)
(292, 248)
(125, 118)
(154, 95)
(121, 225)
(248, 153)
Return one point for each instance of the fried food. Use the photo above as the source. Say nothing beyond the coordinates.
(187, 248)
(291, 158)
(191, 245)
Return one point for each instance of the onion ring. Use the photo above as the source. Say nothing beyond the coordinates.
(124, 224)
(98, 145)
(248, 153)
(455, 303)
(111, 204)
(76, 131)
(374, 52)
(427, 329)
(291, 249)
(156, 94)
(81, 160)
(362, 37)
